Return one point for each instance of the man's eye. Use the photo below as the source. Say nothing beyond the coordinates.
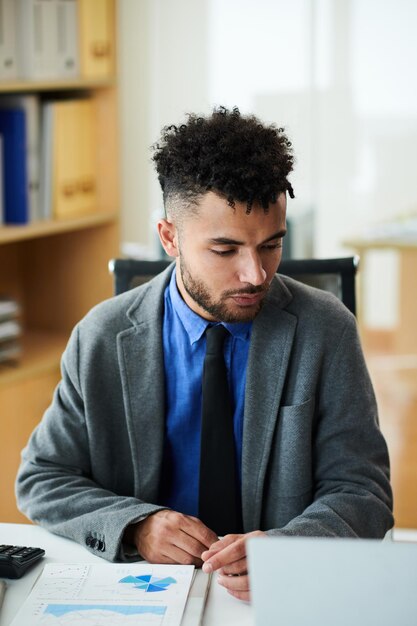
(223, 252)
(273, 246)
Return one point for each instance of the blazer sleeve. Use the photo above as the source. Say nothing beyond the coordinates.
(350, 465)
(56, 485)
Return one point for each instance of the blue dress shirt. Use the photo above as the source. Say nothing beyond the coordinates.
(184, 345)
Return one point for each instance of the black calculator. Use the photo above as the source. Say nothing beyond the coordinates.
(15, 560)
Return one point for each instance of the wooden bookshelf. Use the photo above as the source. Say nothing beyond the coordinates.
(41, 354)
(56, 270)
(9, 234)
(76, 84)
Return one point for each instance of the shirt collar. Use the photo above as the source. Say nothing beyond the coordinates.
(194, 324)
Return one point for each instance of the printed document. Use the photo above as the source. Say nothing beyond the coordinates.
(107, 595)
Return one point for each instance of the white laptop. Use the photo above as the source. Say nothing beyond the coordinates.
(303, 581)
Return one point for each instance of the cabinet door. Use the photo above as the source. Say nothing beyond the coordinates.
(22, 403)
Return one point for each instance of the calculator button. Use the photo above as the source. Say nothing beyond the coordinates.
(15, 560)
(3, 548)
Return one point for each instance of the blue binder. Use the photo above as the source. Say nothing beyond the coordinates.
(15, 179)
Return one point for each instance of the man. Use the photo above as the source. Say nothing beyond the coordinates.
(117, 463)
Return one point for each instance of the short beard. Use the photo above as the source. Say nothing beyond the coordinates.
(219, 310)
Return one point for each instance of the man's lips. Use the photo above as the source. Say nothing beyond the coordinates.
(248, 299)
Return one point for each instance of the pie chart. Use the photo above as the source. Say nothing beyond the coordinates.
(149, 583)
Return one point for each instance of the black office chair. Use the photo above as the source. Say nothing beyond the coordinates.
(334, 275)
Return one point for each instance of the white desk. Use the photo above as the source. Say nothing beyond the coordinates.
(221, 609)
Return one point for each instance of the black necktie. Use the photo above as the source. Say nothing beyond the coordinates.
(219, 500)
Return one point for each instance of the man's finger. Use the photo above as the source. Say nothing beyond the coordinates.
(238, 568)
(189, 544)
(240, 595)
(180, 556)
(195, 528)
(219, 545)
(172, 535)
(233, 552)
(230, 554)
(234, 583)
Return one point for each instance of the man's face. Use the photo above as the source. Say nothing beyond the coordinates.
(226, 258)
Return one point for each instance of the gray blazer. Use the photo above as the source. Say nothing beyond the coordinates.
(314, 460)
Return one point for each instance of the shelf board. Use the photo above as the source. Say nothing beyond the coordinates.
(29, 86)
(10, 234)
(41, 353)
(392, 243)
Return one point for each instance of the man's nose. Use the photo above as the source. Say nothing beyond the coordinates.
(251, 270)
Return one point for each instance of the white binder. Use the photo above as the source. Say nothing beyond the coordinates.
(67, 57)
(47, 39)
(8, 61)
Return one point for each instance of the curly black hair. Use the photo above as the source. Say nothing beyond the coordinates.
(234, 155)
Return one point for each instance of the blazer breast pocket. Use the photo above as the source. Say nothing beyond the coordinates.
(291, 461)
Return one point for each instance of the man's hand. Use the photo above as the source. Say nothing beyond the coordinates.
(170, 537)
(228, 557)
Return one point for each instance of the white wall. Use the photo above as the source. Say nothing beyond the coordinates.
(340, 75)
(163, 73)
(135, 72)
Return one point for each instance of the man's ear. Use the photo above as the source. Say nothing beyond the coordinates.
(168, 235)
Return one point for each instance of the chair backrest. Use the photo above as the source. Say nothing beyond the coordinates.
(334, 275)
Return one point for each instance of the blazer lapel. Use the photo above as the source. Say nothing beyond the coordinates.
(140, 353)
(270, 350)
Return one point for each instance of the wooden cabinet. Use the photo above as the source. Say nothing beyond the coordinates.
(57, 270)
(403, 338)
